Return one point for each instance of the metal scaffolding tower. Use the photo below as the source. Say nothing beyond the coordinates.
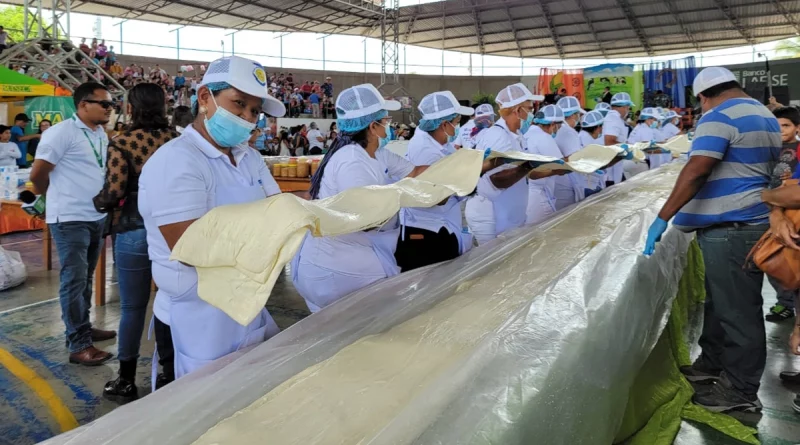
(48, 52)
(390, 57)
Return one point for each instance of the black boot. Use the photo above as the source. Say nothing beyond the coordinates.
(123, 389)
(162, 380)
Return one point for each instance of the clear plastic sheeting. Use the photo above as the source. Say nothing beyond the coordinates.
(533, 338)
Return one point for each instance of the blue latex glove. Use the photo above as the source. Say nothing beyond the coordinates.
(628, 152)
(654, 235)
(690, 135)
(653, 144)
(486, 153)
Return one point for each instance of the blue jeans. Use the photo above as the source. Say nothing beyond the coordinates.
(78, 244)
(134, 275)
(734, 338)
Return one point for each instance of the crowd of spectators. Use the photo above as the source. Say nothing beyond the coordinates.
(310, 97)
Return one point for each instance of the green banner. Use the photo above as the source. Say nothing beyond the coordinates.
(54, 109)
(617, 77)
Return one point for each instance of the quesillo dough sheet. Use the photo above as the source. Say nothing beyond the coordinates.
(239, 250)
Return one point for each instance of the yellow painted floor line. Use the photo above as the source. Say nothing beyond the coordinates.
(66, 420)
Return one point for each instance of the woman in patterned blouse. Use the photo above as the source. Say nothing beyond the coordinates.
(127, 154)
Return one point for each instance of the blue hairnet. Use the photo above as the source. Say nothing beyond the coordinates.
(357, 124)
(432, 124)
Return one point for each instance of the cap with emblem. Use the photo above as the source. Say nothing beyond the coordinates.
(247, 76)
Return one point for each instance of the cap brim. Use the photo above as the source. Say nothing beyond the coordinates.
(465, 111)
(391, 105)
(273, 107)
(536, 98)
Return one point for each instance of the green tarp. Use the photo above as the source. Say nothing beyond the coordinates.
(661, 397)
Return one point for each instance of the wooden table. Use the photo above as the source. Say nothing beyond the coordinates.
(14, 219)
(289, 185)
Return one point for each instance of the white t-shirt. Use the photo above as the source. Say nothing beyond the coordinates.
(567, 140)
(423, 149)
(509, 204)
(312, 138)
(669, 130)
(79, 155)
(9, 153)
(464, 139)
(613, 125)
(181, 182)
(350, 167)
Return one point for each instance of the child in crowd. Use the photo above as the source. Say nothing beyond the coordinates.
(789, 120)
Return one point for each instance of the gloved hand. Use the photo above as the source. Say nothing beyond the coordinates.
(654, 235)
(628, 152)
(652, 144)
(487, 152)
(690, 135)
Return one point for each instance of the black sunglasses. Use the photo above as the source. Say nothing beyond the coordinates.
(103, 103)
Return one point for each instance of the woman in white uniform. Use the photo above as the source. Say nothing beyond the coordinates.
(502, 198)
(328, 268)
(592, 133)
(615, 132)
(209, 165)
(646, 131)
(570, 187)
(433, 235)
(669, 125)
(540, 139)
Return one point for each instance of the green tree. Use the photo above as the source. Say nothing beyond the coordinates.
(788, 48)
(12, 18)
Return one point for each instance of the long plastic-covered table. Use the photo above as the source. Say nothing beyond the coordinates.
(533, 338)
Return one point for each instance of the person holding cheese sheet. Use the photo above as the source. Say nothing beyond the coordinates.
(326, 269)
(569, 188)
(541, 139)
(432, 235)
(208, 166)
(503, 191)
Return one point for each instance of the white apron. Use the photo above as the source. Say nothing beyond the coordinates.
(202, 333)
(320, 286)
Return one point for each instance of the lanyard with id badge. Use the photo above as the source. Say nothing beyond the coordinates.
(98, 154)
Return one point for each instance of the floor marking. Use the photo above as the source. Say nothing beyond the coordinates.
(19, 308)
(64, 417)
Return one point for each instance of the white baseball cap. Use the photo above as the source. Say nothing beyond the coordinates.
(602, 106)
(592, 119)
(362, 100)
(549, 114)
(514, 95)
(669, 115)
(484, 110)
(711, 77)
(648, 113)
(622, 100)
(442, 104)
(570, 105)
(247, 76)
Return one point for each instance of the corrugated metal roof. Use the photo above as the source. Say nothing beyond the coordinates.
(531, 28)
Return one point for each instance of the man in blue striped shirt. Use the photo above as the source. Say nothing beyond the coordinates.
(718, 195)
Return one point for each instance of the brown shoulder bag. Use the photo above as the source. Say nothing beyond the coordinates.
(774, 259)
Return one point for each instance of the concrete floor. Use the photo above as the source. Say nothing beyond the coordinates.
(31, 330)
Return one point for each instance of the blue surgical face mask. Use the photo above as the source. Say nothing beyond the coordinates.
(654, 124)
(226, 128)
(382, 141)
(526, 124)
(455, 133)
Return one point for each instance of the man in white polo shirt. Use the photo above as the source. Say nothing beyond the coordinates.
(316, 140)
(69, 167)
